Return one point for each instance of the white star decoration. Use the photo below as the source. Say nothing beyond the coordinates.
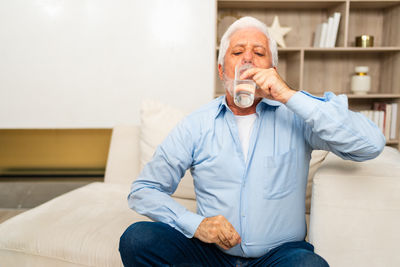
(277, 32)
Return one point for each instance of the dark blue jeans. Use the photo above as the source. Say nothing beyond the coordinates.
(158, 244)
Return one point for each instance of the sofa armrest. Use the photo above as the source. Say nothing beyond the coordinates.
(355, 211)
(123, 156)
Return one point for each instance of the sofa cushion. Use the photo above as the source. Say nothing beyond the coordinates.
(355, 211)
(317, 157)
(384, 165)
(157, 120)
(80, 228)
(123, 155)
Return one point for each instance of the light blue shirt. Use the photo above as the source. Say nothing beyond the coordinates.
(263, 198)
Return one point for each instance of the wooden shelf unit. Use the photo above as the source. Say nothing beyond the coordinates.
(317, 70)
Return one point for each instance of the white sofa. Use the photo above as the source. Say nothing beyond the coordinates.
(355, 211)
(354, 222)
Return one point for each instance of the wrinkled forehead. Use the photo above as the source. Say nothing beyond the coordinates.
(248, 36)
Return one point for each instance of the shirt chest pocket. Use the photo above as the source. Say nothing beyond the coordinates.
(280, 174)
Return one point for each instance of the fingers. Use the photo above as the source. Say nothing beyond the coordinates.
(223, 243)
(249, 73)
(226, 239)
(233, 236)
(228, 235)
(270, 84)
(260, 78)
(218, 230)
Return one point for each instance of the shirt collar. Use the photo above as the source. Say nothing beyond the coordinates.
(265, 102)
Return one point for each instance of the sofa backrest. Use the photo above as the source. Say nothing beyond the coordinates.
(123, 156)
(385, 165)
(123, 161)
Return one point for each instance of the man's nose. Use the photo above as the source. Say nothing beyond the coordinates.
(247, 58)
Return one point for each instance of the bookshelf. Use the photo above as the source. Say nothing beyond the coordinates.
(317, 70)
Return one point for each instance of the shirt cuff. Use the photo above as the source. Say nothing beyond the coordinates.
(303, 103)
(189, 222)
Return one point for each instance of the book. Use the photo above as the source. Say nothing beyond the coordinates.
(380, 106)
(329, 32)
(370, 115)
(336, 20)
(388, 120)
(393, 125)
(317, 35)
(324, 30)
(381, 120)
(367, 113)
(384, 115)
(375, 117)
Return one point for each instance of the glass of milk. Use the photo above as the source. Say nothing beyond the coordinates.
(243, 90)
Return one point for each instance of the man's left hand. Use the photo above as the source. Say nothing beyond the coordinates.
(270, 84)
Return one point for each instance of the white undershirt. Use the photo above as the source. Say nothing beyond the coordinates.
(245, 126)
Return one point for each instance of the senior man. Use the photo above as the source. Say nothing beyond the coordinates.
(249, 167)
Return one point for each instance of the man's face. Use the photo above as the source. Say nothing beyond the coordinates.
(246, 46)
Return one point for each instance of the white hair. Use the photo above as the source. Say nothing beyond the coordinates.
(244, 23)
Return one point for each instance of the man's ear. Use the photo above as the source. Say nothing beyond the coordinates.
(220, 72)
(275, 67)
